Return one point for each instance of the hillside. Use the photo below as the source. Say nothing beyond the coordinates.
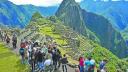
(96, 27)
(19, 15)
(71, 43)
(9, 62)
(115, 11)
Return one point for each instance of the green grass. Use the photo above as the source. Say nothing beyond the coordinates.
(47, 30)
(9, 62)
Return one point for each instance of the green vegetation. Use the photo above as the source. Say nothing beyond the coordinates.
(9, 62)
(125, 34)
(114, 63)
(76, 45)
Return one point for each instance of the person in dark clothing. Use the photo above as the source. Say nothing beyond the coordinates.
(0, 34)
(14, 44)
(35, 44)
(64, 62)
(39, 59)
(7, 40)
(32, 61)
(55, 59)
(59, 59)
(14, 41)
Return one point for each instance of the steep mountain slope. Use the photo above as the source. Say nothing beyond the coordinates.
(72, 17)
(98, 25)
(115, 11)
(19, 15)
(73, 44)
(108, 36)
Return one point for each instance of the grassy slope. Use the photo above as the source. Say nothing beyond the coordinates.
(114, 63)
(9, 62)
(46, 27)
(47, 30)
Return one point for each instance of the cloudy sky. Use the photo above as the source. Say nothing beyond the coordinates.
(39, 2)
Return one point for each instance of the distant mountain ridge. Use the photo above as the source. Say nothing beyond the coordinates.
(81, 21)
(19, 15)
(115, 11)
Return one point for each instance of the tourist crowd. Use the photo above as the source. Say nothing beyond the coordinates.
(47, 56)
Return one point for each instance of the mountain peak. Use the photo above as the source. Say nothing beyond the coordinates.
(36, 15)
(70, 13)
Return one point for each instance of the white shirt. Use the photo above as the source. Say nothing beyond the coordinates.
(103, 70)
(47, 62)
(30, 48)
(92, 61)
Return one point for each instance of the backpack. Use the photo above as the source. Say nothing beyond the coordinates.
(22, 45)
(14, 39)
(102, 64)
(64, 60)
(21, 51)
(8, 40)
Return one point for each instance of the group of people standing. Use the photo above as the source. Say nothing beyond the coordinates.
(89, 65)
(46, 56)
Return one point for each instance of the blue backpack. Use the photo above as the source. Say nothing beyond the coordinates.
(102, 64)
(21, 51)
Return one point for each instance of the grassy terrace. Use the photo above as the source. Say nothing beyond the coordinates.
(47, 30)
(9, 62)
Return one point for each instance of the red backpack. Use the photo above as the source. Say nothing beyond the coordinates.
(22, 45)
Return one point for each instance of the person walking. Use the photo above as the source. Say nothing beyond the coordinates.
(81, 64)
(59, 59)
(22, 53)
(64, 62)
(14, 41)
(54, 58)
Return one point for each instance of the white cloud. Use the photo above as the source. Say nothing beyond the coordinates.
(39, 2)
(78, 0)
(116, 0)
